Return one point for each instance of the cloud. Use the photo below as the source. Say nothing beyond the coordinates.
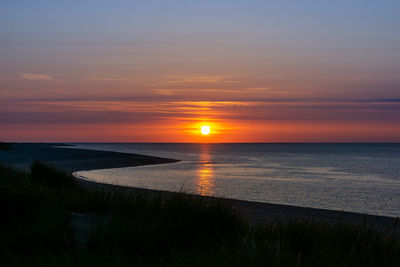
(163, 92)
(177, 79)
(37, 77)
(131, 111)
(110, 78)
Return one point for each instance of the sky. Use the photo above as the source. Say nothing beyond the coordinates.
(156, 71)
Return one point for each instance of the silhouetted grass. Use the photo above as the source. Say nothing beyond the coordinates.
(60, 223)
(41, 173)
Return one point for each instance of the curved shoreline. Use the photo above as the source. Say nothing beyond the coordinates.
(74, 160)
(258, 212)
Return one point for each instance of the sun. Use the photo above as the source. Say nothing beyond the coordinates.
(205, 129)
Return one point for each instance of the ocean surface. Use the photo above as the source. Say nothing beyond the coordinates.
(350, 177)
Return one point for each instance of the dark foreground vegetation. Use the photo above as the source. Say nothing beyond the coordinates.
(48, 219)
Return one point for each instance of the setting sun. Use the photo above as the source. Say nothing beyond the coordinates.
(205, 129)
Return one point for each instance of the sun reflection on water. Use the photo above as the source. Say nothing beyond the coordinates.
(205, 174)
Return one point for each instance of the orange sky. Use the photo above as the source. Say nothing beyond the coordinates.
(156, 71)
(181, 121)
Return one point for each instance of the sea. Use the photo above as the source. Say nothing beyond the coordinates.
(357, 177)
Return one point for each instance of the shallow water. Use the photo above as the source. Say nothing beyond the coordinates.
(351, 177)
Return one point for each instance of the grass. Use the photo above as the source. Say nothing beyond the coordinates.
(38, 226)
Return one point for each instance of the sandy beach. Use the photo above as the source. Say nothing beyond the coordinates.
(72, 160)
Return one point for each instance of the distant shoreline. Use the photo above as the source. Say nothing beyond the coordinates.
(74, 160)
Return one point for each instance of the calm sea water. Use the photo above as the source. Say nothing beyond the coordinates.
(351, 177)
